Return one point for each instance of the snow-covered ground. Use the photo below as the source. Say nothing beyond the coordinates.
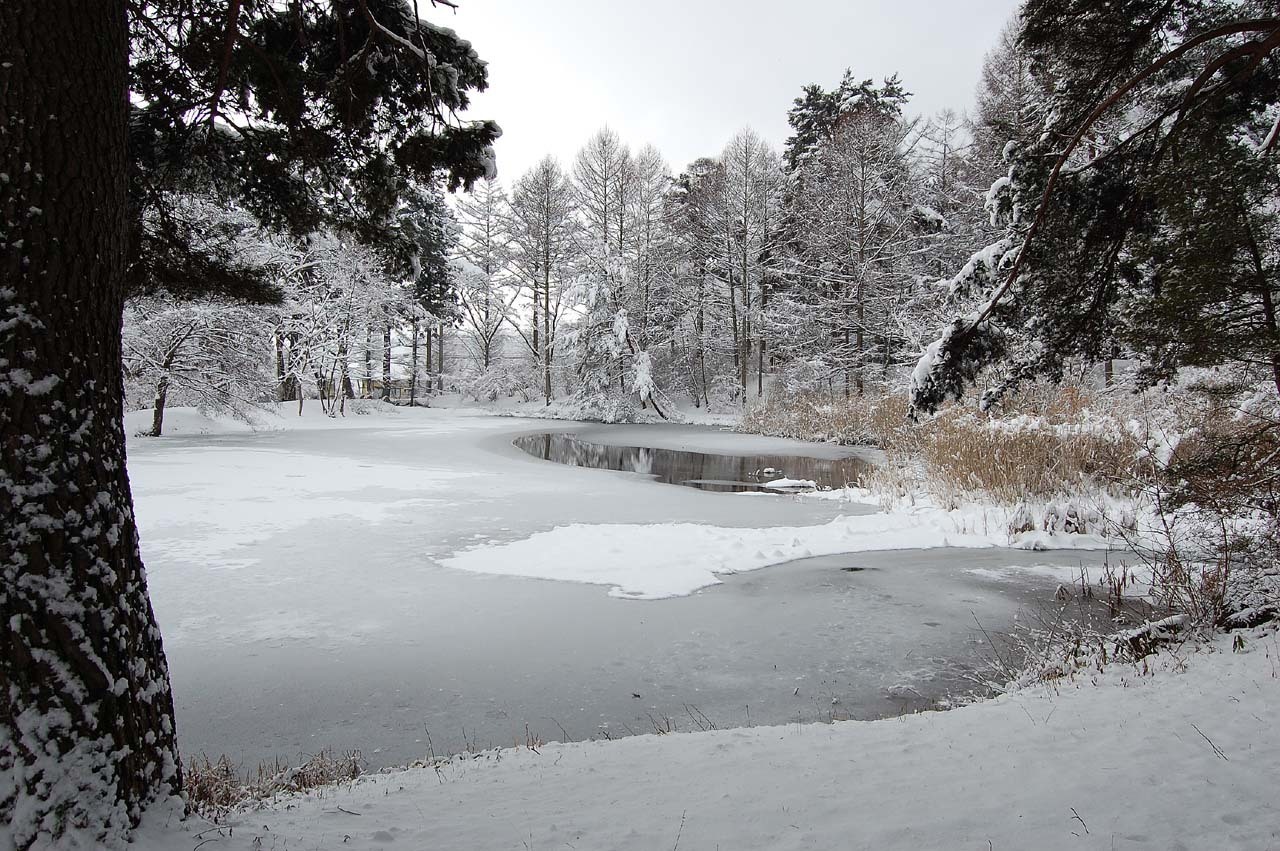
(306, 579)
(1185, 756)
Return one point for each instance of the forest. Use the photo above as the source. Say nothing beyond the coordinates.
(610, 285)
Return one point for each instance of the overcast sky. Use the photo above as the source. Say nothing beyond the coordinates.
(685, 75)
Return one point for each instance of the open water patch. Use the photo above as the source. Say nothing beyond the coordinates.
(706, 471)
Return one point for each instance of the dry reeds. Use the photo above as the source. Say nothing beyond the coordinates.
(216, 787)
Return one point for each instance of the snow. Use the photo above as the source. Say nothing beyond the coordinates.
(653, 561)
(188, 421)
(785, 483)
(1183, 756)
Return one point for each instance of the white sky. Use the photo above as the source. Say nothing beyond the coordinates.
(685, 75)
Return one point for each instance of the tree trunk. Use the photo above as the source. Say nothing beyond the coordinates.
(537, 320)
(1269, 317)
(440, 359)
(157, 411)
(547, 348)
(413, 363)
(386, 363)
(1269, 323)
(86, 714)
(282, 386)
(426, 359)
(367, 390)
(344, 370)
(699, 325)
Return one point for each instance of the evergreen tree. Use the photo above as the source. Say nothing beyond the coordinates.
(815, 115)
(290, 108)
(1142, 219)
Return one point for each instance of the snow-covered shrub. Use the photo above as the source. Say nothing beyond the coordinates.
(724, 395)
(1215, 545)
(504, 379)
(606, 407)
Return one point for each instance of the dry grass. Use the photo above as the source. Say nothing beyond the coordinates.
(964, 452)
(1050, 442)
(864, 421)
(216, 787)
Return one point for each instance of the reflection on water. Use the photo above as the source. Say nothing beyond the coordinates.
(696, 469)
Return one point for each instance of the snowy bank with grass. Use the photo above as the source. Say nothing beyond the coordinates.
(1178, 752)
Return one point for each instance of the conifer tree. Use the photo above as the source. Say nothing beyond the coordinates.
(1142, 218)
(306, 113)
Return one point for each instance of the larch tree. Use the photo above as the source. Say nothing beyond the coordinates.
(856, 218)
(484, 249)
(362, 92)
(603, 181)
(1009, 103)
(544, 258)
(752, 197)
(648, 246)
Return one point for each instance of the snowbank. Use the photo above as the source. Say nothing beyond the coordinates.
(1184, 757)
(652, 561)
(787, 484)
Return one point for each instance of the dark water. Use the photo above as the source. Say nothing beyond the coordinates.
(695, 469)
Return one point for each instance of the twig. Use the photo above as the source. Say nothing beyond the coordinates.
(1076, 815)
(680, 831)
(1216, 749)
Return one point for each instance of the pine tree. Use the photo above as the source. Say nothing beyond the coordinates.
(346, 101)
(1140, 219)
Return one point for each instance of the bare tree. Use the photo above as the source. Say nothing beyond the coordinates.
(543, 258)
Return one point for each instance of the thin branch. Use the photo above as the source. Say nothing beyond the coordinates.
(228, 44)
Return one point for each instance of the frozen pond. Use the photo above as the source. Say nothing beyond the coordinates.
(496, 659)
(730, 473)
(296, 576)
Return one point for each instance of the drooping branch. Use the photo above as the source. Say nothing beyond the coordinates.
(1270, 44)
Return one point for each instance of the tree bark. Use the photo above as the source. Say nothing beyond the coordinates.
(426, 358)
(440, 359)
(282, 392)
(1270, 328)
(413, 363)
(547, 347)
(157, 411)
(86, 713)
(386, 362)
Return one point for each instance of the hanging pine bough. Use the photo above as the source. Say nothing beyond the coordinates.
(1101, 209)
